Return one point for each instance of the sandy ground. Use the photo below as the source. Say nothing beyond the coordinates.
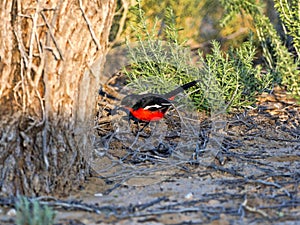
(252, 178)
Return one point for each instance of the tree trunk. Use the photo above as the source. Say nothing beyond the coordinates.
(48, 90)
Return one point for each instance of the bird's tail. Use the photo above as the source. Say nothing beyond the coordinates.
(182, 88)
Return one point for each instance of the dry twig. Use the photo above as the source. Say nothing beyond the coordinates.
(90, 27)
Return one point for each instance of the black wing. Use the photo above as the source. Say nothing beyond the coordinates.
(153, 103)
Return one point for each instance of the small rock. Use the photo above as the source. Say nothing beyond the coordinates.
(11, 212)
(98, 194)
(189, 195)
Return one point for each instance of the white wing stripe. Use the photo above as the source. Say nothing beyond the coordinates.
(152, 106)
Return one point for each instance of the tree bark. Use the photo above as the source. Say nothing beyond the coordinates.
(49, 83)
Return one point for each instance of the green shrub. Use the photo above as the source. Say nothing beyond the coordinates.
(280, 61)
(236, 80)
(228, 80)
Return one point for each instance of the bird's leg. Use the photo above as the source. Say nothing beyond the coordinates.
(141, 129)
(145, 125)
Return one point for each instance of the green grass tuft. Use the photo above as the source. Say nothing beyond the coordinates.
(32, 213)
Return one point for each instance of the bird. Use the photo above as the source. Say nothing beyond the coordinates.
(152, 107)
